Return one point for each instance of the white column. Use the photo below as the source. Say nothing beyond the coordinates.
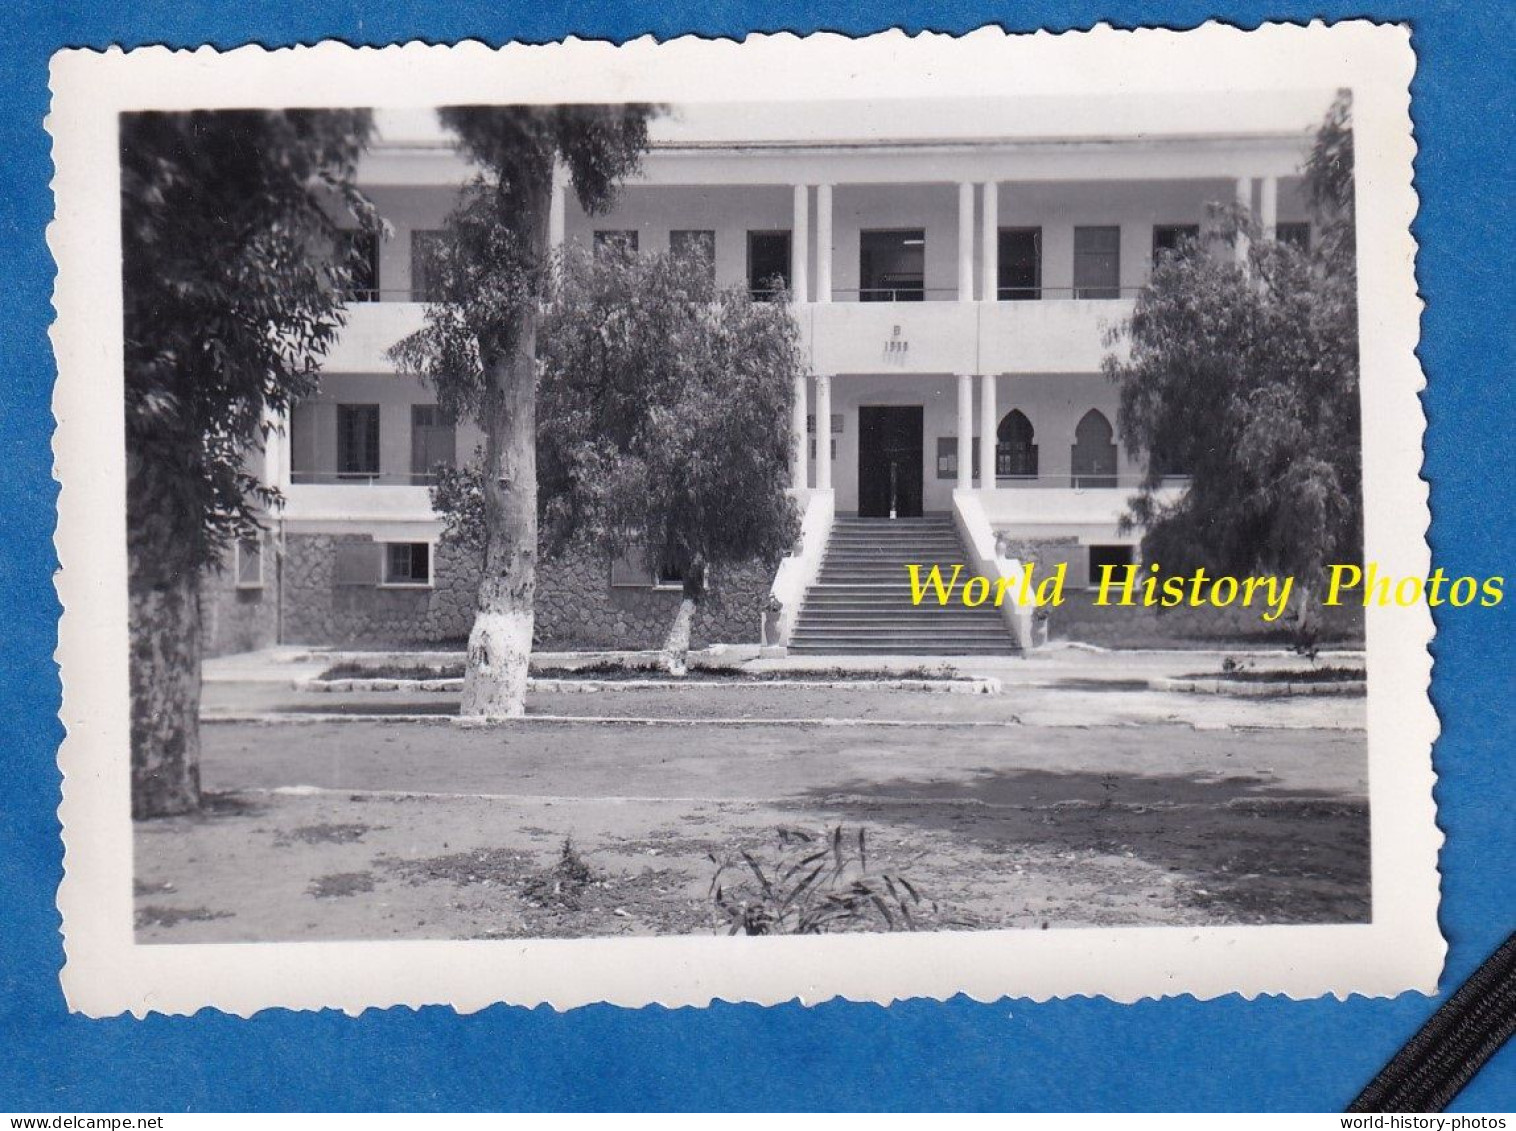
(556, 215)
(965, 431)
(823, 432)
(965, 242)
(989, 290)
(989, 419)
(823, 243)
(800, 245)
(276, 451)
(1245, 200)
(798, 474)
(1269, 207)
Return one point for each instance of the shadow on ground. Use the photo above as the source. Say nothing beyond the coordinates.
(1240, 846)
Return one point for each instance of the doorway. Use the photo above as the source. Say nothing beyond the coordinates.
(889, 461)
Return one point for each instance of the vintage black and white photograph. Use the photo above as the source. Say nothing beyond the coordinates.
(573, 496)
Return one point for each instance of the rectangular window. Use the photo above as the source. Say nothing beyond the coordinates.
(249, 563)
(407, 563)
(947, 457)
(1097, 262)
(1020, 264)
(833, 448)
(621, 243)
(1117, 557)
(434, 441)
(1169, 238)
(892, 265)
(427, 250)
(357, 441)
(810, 423)
(696, 247)
(1296, 234)
(358, 250)
(631, 571)
(768, 263)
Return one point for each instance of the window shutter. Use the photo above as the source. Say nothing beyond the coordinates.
(357, 563)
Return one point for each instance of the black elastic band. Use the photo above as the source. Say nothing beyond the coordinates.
(1453, 1045)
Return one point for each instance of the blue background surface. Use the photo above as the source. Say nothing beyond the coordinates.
(1177, 1054)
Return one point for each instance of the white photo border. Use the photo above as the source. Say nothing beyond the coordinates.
(107, 972)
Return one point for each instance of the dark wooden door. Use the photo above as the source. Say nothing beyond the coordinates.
(889, 461)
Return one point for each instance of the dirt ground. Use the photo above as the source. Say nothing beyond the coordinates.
(1109, 807)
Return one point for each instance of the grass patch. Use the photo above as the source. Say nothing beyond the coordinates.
(1283, 675)
(613, 671)
(172, 916)
(341, 885)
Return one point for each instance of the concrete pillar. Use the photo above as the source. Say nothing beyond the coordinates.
(800, 245)
(823, 243)
(965, 431)
(557, 210)
(1245, 200)
(989, 289)
(823, 432)
(1269, 208)
(965, 242)
(989, 420)
(798, 472)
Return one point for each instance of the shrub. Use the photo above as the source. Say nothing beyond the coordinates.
(816, 884)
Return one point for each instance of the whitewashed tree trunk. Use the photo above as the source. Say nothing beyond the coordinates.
(500, 643)
(676, 646)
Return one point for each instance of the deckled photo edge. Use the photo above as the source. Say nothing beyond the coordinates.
(107, 972)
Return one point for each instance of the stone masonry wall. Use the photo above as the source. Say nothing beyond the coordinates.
(238, 620)
(1115, 626)
(576, 606)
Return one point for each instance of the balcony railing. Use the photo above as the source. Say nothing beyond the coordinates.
(1086, 481)
(362, 478)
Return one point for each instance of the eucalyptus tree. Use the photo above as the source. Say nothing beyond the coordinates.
(1245, 378)
(231, 295)
(478, 347)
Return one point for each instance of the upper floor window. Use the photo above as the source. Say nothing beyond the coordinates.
(434, 442)
(892, 265)
(1097, 262)
(427, 250)
(696, 247)
(1170, 238)
(768, 263)
(1020, 264)
(618, 243)
(1296, 233)
(358, 250)
(357, 440)
(1015, 447)
(1093, 456)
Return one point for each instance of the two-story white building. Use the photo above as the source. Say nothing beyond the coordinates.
(956, 270)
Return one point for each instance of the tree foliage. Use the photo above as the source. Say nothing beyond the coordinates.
(231, 294)
(478, 347)
(1245, 378)
(493, 269)
(665, 415)
(231, 297)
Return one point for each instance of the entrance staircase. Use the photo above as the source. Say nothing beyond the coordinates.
(861, 602)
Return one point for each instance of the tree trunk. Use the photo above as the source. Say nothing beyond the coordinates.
(1305, 620)
(500, 643)
(163, 621)
(676, 646)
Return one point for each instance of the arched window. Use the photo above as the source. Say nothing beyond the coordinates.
(1093, 456)
(1015, 453)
